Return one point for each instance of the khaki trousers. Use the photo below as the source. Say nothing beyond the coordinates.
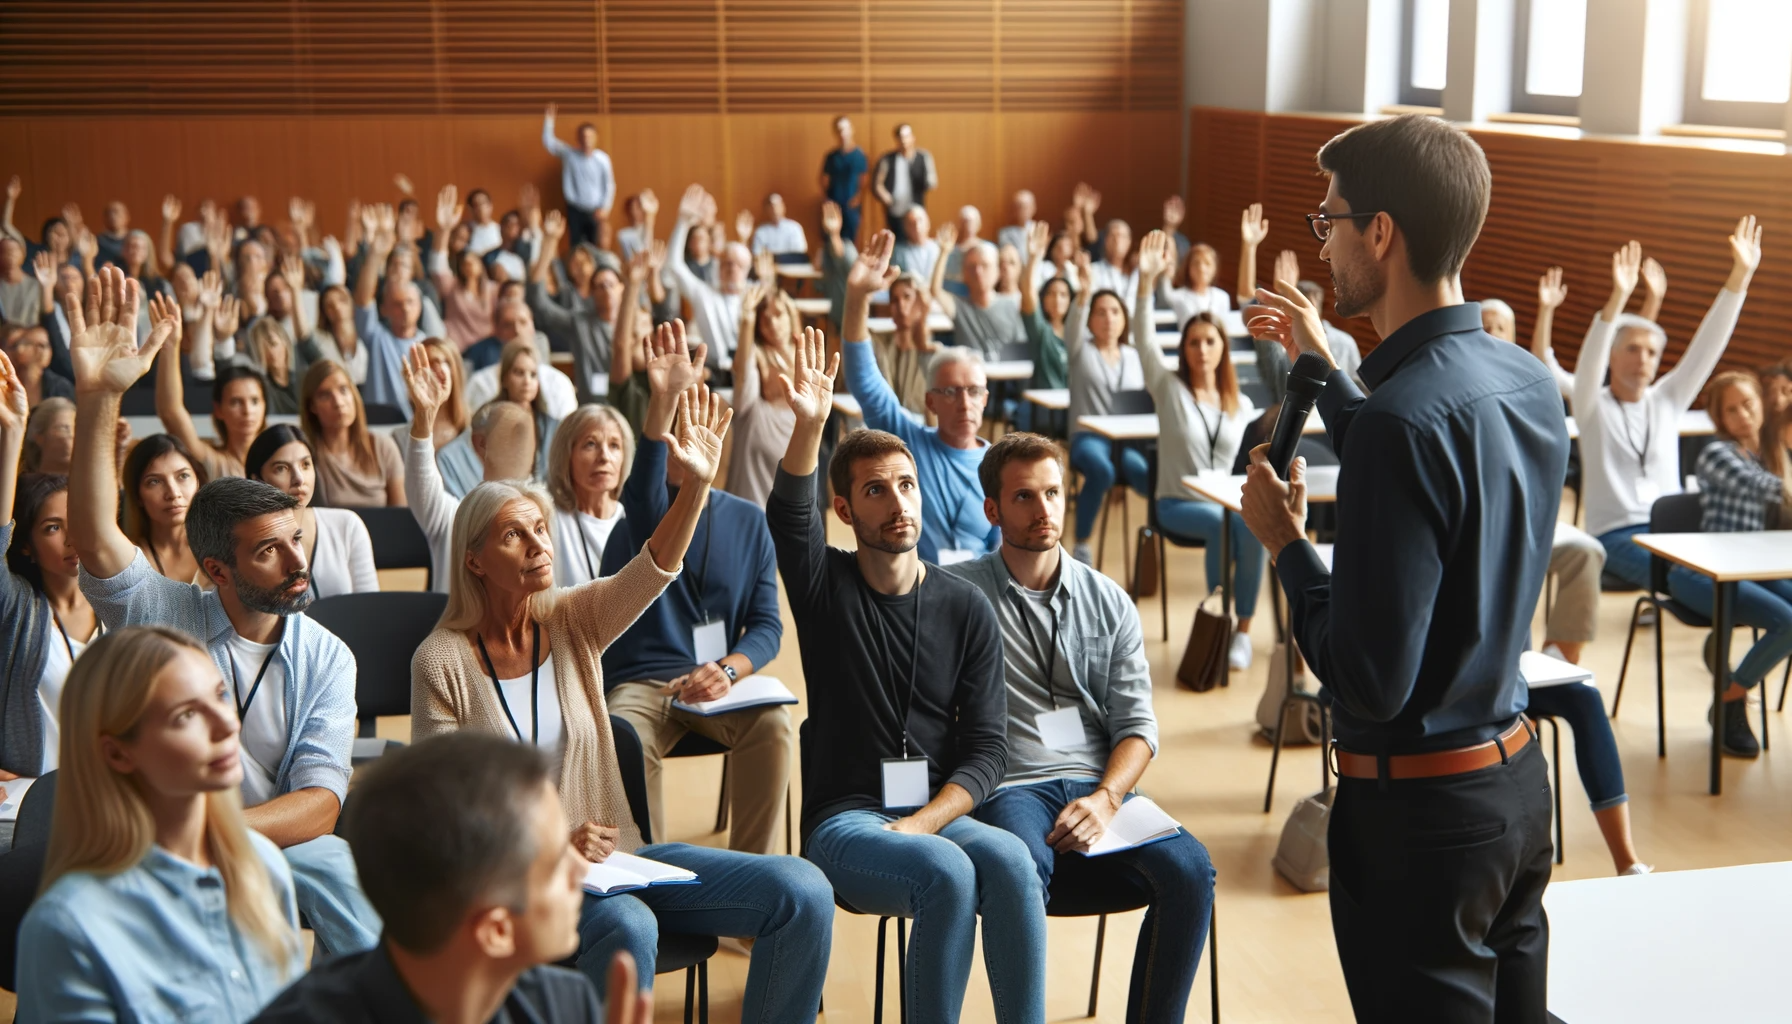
(760, 741)
(1575, 559)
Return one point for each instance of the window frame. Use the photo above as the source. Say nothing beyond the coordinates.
(1411, 95)
(1726, 113)
(1523, 100)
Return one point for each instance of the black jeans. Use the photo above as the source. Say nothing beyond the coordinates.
(586, 226)
(1437, 894)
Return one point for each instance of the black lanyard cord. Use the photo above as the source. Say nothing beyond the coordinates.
(1213, 434)
(1049, 661)
(242, 709)
(534, 686)
(1642, 453)
(914, 658)
(98, 631)
(578, 523)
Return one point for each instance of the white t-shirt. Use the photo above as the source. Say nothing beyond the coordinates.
(486, 237)
(1104, 276)
(579, 540)
(264, 736)
(784, 236)
(538, 716)
(556, 387)
(60, 652)
(1187, 303)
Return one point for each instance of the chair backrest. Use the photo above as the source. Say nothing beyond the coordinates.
(382, 415)
(382, 629)
(21, 868)
(632, 763)
(1675, 513)
(35, 810)
(1131, 403)
(398, 542)
(1016, 351)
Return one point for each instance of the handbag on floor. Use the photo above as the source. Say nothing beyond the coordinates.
(1144, 565)
(1301, 722)
(1204, 659)
(1302, 856)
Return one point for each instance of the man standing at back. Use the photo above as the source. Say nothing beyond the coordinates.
(903, 178)
(1450, 479)
(587, 182)
(843, 178)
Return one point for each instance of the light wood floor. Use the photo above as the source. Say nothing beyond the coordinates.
(1276, 953)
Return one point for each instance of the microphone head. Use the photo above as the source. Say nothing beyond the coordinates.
(1306, 377)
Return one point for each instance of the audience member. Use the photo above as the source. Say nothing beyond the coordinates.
(638, 233)
(20, 294)
(245, 538)
(763, 418)
(1045, 311)
(357, 467)
(778, 234)
(916, 253)
(160, 479)
(580, 317)
(592, 454)
(904, 355)
(843, 178)
(451, 419)
(1009, 264)
(50, 436)
(1252, 230)
(1115, 271)
(516, 329)
(268, 350)
(946, 456)
(1019, 230)
(1079, 218)
(1071, 634)
(982, 321)
(389, 340)
(903, 178)
(1202, 415)
(906, 671)
(468, 294)
(587, 182)
(965, 237)
(485, 233)
(629, 388)
(1101, 365)
(338, 549)
(239, 404)
(29, 350)
(717, 626)
(500, 598)
(1192, 289)
(715, 308)
(161, 900)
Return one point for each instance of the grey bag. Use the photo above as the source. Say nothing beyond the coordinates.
(1301, 855)
(1301, 721)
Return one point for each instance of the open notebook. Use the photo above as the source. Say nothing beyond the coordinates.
(1540, 670)
(1139, 822)
(754, 691)
(621, 872)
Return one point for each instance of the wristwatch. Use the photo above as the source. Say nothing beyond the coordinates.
(728, 670)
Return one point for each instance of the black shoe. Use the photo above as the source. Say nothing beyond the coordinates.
(1737, 739)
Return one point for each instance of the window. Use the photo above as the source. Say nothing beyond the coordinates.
(1426, 53)
(1739, 63)
(1548, 53)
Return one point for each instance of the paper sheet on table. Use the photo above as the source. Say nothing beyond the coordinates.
(1138, 823)
(621, 872)
(754, 691)
(1540, 670)
(15, 795)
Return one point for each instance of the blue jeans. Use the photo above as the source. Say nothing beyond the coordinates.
(1093, 456)
(944, 881)
(1767, 606)
(1595, 750)
(1192, 517)
(1626, 560)
(782, 902)
(1175, 875)
(328, 892)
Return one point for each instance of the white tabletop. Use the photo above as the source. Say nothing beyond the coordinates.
(1693, 423)
(1671, 946)
(1228, 489)
(886, 325)
(812, 307)
(798, 271)
(1726, 557)
(1130, 427)
(1048, 398)
(1163, 317)
(846, 405)
(1009, 369)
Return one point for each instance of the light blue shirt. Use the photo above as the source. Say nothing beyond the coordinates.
(951, 495)
(586, 180)
(385, 360)
(459, 465)
(320, 671)
(154, 942)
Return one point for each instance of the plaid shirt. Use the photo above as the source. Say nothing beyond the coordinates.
(1734, 489)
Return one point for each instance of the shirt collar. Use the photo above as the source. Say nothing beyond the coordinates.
(180, 876)
(1380, 364)
(1060, 591)
(382, 991)
(221, 630)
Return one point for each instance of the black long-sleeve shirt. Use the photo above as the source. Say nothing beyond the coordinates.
(1448, 488)
(858, 648)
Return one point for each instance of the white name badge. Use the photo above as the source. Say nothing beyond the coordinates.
(952, 556)
(1646, 491)
(709, 641)
(1062, 729)
(905, 782)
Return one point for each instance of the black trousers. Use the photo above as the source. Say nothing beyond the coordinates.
(1437, 894)
(586, 226)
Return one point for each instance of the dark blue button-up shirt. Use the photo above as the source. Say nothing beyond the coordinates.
(1450, 478)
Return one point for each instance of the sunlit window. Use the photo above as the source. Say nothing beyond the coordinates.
(1430, 43)
(1556, 48)
(1748, 51)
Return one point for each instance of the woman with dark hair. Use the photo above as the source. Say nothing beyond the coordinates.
(338, 549)
(356, 467)
(519, 381)
(50, 437)
(1202, 416)
(469, 296)
(239, 404)
(335, 338)
(1100, 365)
(1045, 308)
(160, 478)
(1192, 290)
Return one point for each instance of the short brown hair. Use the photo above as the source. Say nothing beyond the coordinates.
(1425, 174)
(1015, 446)
(857, 446)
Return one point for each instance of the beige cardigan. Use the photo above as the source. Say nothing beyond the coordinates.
(450, 690)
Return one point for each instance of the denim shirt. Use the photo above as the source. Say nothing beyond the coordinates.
(154, 942)
(320, 671)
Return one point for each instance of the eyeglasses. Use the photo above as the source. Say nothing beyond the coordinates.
(974, 392)
(1321, 223)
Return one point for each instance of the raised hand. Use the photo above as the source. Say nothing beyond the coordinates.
(1252, 227)
(292, 268)
(831, 220)
(656, 255)
(947, 238)
(103, 338)
(1085, 272)
(1551, 292)
(650, 203)
(1039, 240)
(690, 205)
(1287, 318)
(227, 316)
(743, 225)
(370, 221)
(553, 228)
(13, 188)
(765, 269)
(698, 426)
(403, 185)
(447, 209)
(171, 207)
(71, 215)
(810, 387)
(86, 246)
(1085, 198)
(1155, 253)
(1287, 268)
(427, 391)
(528, 202)
(15, 406)
(637, 266)
(1745, 252)
(1627, 263)
(1173, 213)
(872, 272)
(211, 290)
(671, 367)
(43, 267)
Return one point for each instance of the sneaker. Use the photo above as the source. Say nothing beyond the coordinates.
(1637, 869)
(1736, 738)
(1083, 553)
(1239, 657)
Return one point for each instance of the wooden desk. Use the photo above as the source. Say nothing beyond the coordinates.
(1728, 559)
(1669, 946)
(1130, 427)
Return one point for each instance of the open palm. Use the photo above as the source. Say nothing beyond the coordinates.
(810, 387)
(671, 368)
(15, 407)
(698, 426)
(103, 341)
(872, 272)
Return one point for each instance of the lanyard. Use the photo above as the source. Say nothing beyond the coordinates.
(1642, 453)
(99, 631)
(534, 678)
(1050, 662)
(578, 522)
(242, 710)
(1213, 434)
(914, 658)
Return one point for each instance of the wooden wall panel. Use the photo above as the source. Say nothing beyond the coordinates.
(1558, 199)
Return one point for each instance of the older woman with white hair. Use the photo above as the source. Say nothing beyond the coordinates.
(715, 309)
(510, 639)
(589, 459)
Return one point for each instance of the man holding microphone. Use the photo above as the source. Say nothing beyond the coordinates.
(1447, 496)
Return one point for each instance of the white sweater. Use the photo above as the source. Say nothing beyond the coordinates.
(432, 505)
(342, 562)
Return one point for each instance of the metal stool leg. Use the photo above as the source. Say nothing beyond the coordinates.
(1163, 596)
(690, 993)
(1785, 680)
(902, 969)
(1624, 666)
(877, 1005)
(722, 800)
(1555, 759)
(1101, 937)
(1661, 700)
(1275, 755)
(703, 992)
(1213, 957)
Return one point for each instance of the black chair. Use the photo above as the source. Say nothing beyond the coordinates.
(382, 630)
(1555, 764)
(382, 415)
(398, 542)
(1015, 351)
(21, 869)
(677, 952)
(33, 826)
(142, 402)
(1121, 403)
(1081, 888)
(1153, 530)
(694, 745)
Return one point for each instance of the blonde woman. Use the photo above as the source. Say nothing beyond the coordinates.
(767, 318)
(356, 467)
(50, 436)
(592, 453)
(147, 844)
(269, 352)
(519, 381)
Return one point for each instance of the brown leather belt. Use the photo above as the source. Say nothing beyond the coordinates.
(1442, 762)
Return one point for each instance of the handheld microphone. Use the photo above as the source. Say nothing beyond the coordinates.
(1305, 381)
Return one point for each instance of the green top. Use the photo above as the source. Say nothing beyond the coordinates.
(1051, 366)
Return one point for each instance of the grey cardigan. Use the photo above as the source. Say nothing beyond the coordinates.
(1100, 639)
(24, 618)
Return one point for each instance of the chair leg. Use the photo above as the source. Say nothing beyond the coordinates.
(1126, 528)
(1624, 666)
(1213, 957)
(877, 1004)
(690, 993)
(722, 800)
(1163, 596)
(1785, 680)
(902, 969)
(789, 845)
(703, 992)
(1101, 937)
(1101, 530)
(1661, 700)
(1555, 732)
(1276, 753)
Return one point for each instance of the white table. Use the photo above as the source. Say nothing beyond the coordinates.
(1055, 399)
(811, 307)
(1670, 946)
(1009, 369)
(799, 271)
(936, 322)
(1163, 317)
(1728, 559)
(846, 405)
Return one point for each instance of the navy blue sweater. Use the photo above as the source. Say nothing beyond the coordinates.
(730, 563)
